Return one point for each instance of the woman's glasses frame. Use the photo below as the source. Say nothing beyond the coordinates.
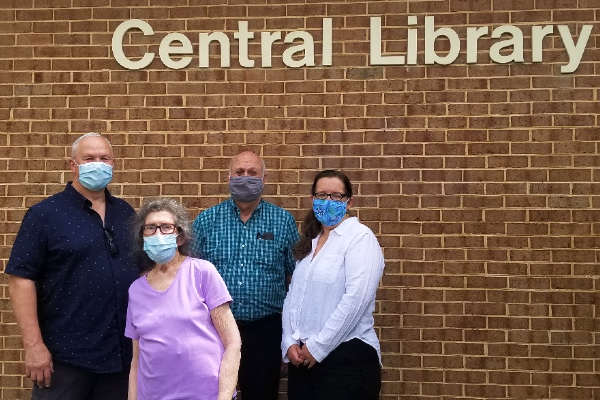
(165, 229)
(332, 196)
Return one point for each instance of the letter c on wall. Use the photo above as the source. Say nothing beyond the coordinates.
(117, 44)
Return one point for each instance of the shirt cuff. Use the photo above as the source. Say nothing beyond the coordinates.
(317, 351)
(285, 345)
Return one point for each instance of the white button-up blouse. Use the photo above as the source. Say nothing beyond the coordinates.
(332, 296)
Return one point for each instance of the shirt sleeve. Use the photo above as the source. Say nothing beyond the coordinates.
(287, 339)
(363, 266)
(28, 253)
(198, 241)
(292, 238)
(212, 286)
(130, 330)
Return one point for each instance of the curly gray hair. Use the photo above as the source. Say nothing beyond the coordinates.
(180, 217)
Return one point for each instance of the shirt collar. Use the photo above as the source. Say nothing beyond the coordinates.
(81, 199)
(345, 225)
(236, 210)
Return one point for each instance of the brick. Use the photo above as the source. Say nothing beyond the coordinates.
(479, 180)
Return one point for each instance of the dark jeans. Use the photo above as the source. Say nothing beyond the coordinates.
(261, 358)
(350, 372)
(72, 383)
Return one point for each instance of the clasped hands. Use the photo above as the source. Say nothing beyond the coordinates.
(301, 356)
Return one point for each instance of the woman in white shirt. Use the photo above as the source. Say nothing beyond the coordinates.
(328, 332)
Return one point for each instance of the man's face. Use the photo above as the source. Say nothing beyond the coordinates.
(91, 149)
(246, 164)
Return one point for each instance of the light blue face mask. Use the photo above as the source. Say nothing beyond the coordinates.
(160, 248)
(95, 175)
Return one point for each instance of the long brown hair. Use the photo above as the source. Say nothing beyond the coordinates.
(311, 225)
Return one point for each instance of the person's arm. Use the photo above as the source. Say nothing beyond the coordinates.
(289, 346)
(223, 320)
(292, 237)
(198, 232)
(38, 360)
(133, 372)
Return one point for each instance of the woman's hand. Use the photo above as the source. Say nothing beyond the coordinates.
(309, 360)
(294, 353)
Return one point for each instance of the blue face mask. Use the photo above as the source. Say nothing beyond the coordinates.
(160, 248)
(329, 212)
(95, 176)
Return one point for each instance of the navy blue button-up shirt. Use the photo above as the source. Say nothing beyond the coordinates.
(81, 279)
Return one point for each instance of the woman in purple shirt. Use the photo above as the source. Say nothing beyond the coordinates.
(186, 344)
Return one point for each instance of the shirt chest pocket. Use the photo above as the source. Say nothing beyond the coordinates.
(328, 269)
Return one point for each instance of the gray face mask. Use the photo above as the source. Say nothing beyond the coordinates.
(245, 189)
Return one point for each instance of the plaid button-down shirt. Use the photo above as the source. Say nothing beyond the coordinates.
(252, 257)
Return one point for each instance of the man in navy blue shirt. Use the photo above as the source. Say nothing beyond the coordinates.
(69, 275)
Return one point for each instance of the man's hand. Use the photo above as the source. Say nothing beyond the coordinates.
(38, 361)
(294, 353)
(38, 365)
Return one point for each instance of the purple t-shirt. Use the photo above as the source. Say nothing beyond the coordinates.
(180, 349)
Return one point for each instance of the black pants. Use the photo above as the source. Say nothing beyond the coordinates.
(260, 364)
(350, 372)
(72, 383)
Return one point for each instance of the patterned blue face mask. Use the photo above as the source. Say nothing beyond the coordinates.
(95, 176)
(160, 248)
(329, 212)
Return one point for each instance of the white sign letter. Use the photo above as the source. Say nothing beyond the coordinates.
(516, 42)
(117, 44)
(308, 47)
(204, 46)
(266, 43)
(375, 41)
(575, 51)
(165, 50)
(411, 42)
(473, 34)
(431, 34)
(242, 35)
(327, 55)
(537, 37)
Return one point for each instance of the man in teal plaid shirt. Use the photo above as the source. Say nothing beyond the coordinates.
(250, 242)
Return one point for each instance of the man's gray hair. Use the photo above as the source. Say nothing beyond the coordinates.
(87, 135)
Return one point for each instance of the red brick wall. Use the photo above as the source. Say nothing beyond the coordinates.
(481, 180)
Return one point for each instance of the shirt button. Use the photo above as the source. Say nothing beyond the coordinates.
(241, 265)
(243, 245)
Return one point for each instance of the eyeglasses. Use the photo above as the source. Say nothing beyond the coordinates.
(165, 229)
(112, 247)
(332, 196)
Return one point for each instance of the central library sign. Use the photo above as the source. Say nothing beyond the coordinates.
(508, 45)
